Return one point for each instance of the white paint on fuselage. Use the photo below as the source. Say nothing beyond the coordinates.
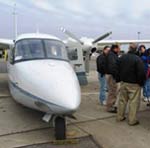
(53, 81)
(36, 36)
(47, 85)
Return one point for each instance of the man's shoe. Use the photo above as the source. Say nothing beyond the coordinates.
(145, 99)
(134, 124)
(104, 103)
(120, 120)
(148, 104)
(112, 110)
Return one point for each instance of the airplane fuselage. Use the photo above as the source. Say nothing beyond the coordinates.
(40, 76)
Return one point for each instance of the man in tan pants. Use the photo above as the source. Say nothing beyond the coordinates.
(112, 93)
(132, 76)
(129, 93)
(111, 77)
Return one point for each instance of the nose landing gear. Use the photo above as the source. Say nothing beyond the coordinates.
(60, 128)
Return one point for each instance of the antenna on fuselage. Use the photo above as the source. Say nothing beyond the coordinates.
(37, 28)
(15, 21)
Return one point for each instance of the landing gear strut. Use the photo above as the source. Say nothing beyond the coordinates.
(60, 128)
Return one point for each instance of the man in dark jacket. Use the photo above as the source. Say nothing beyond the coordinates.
(112, 78)
(101, 69)
(132, 76)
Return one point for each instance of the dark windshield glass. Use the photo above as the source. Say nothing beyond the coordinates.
(29, 49)
(54, 49)
(39, 49)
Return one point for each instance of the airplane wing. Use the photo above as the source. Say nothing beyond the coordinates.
(110, 42)
(71, 35)
(6, 43)
(102, 37)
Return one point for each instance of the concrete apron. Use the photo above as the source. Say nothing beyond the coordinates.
(21, 126)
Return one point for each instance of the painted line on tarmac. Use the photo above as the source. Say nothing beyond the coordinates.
(5, 97)
(90, 93)
(25, 131)
(85, 116)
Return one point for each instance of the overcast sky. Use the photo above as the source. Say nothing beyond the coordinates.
(84, 18)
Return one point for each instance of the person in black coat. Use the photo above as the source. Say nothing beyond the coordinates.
(101, 69)
(112, 78)
(132, 77)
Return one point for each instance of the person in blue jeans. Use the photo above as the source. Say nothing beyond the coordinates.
(145, 56)
(101, 64)
(146, 88)
(147, 84)
(103, 88)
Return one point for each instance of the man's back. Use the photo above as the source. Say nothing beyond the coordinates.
(131, 69)
(111, 64)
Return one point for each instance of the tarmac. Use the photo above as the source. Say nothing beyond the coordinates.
(94, 127)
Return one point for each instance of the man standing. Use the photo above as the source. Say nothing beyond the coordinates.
(132, 76)
(112, 78)
(101, 69)
(143, 54)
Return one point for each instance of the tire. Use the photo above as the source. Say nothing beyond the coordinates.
(60, 128)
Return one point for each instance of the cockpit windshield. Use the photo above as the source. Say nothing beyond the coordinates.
(30, 49)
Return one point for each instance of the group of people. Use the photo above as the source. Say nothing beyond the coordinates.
(122, 78)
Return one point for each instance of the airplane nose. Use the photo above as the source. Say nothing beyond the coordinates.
(67, 95)
(56, 83)
(71, 98)
(68, 91)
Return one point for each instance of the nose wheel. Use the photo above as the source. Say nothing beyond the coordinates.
(60, 128)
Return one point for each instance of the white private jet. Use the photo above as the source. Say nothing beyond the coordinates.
(41, 77)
